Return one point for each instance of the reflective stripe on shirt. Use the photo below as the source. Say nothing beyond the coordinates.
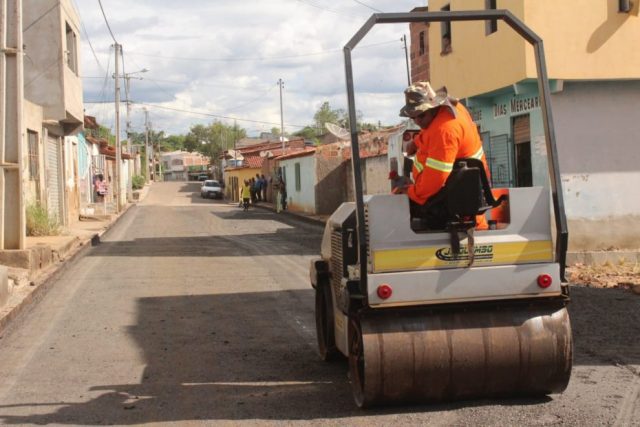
(439, 166)
(478, 154)
(419, 166)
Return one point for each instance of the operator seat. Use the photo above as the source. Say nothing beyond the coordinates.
(466, 193)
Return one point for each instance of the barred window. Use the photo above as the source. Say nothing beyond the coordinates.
(298, 177)
(33, 155)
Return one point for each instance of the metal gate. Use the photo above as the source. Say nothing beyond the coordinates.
(500, 162)
(54, 192)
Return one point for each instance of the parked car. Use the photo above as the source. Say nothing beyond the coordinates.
(203, 177)
(211, 189)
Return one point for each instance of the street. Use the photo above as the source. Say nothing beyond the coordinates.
(191, 311)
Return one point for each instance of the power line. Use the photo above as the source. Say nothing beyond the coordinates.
(366, 5)
(39, 18)
(106, 21)
(309, 3)
(86, 34)
(257, 58)
(162, 107)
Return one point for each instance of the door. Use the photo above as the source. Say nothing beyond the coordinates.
(500, 162)
(54, 175)
(522, 142)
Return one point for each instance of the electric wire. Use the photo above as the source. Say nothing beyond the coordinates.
(309, 3)
(86, 34)
(366, 5)
(162, 107)
(258, 58)
(48, 11)
(106, 21)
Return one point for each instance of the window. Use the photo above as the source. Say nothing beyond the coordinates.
(624, 6)
(298, 183)
(491, 25)
(72, 50)
(445, 33)
(33, 155)
(422, 44)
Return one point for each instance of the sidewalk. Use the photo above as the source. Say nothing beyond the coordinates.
(25, 274)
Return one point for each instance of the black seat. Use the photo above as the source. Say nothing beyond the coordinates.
(466, 193)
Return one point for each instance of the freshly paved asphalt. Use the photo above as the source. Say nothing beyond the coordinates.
(192, 311)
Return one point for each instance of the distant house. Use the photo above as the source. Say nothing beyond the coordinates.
(182, 165)
(319, 179)
(244, 163)
(96, 162)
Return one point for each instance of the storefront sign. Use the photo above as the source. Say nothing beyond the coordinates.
(476, 115)
(516, 106)
(524, 105)
(499, 110)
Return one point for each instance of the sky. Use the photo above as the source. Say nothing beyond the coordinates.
(224, 58)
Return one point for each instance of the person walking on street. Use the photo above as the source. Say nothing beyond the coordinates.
(246, 194)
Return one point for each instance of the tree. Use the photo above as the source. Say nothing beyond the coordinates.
(211, 140)
(326, 114)
(308, 132)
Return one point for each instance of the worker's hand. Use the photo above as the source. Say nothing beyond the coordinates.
(400, 190)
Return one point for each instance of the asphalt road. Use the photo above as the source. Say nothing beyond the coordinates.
(191, 311)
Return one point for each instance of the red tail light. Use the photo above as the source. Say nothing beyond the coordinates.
(544, 280)
(384, 291)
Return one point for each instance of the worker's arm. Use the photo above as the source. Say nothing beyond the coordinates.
(443, 149)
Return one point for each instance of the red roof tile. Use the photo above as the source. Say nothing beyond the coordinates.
(304, 152)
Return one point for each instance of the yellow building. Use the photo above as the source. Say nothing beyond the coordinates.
(593, 64)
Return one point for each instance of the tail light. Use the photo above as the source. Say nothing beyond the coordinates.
(544, 280)
(384, 291)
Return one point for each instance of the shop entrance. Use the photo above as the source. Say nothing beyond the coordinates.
(521, 129)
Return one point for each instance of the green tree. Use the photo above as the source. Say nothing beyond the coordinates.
(309, 133)
(211, 140)
(326, 114)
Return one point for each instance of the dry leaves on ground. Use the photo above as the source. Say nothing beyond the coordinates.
(609, 275)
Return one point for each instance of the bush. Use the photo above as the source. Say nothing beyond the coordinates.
(39, 223)
(137, 182)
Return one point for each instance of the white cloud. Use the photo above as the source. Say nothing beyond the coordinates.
(237, 51)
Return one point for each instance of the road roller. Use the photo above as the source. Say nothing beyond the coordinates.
(427, 315)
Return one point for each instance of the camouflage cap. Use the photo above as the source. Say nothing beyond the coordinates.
(420, 97)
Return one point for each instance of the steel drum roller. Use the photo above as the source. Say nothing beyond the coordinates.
(415, 356)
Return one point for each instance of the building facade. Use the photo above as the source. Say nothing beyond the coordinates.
(182, 165)
(595, 84)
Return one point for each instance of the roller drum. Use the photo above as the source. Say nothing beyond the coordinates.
(399, 356)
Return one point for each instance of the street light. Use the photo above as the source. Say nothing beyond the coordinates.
(127, 78)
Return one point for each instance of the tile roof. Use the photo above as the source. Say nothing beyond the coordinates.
(301, 153)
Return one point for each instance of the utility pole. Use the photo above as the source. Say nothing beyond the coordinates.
(128, 131)
(281, 85)
(235, 138)
(12, 203)
(147, 174)
(118, 176)
(406, 58)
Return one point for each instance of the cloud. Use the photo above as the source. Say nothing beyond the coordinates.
(224, 57)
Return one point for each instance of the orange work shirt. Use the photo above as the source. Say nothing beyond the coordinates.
(447, 139)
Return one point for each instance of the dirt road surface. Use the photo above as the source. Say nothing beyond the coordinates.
(191, 311)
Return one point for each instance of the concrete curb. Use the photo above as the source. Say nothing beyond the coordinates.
(45, 280)
(308, 219)
(603, 257)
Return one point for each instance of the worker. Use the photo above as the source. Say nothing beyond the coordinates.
(447, 133)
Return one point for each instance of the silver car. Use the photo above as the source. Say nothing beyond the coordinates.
(211, 189)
